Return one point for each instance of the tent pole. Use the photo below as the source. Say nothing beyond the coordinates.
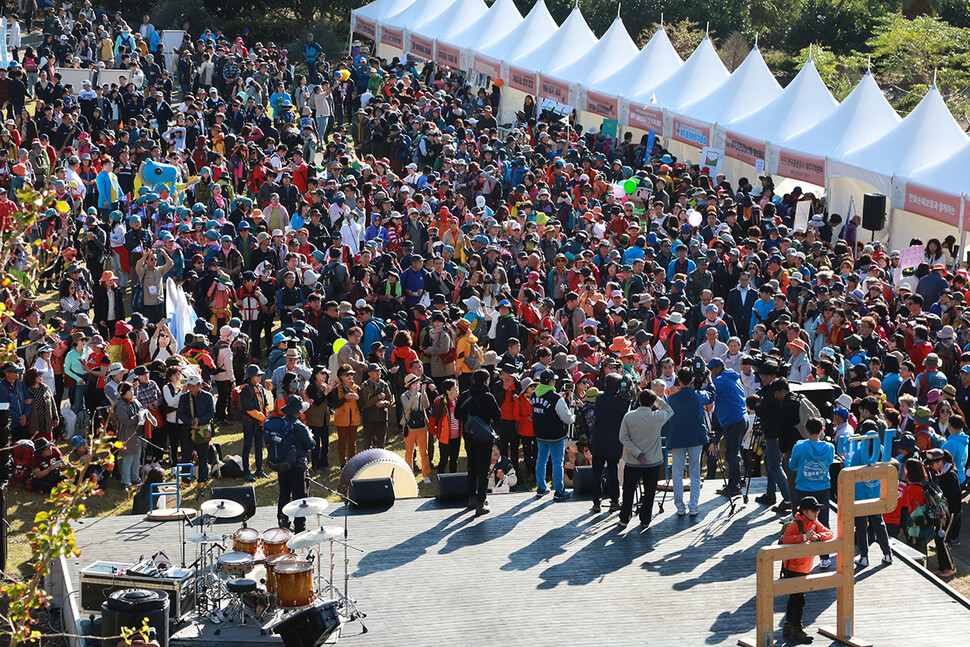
(963, 232)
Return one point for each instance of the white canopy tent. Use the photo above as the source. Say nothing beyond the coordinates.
(396, 28)
(613, 50)
(655, 63)
(700, 74)
(456, 18)
(863, 117)
(937, 194)
(748, 88)
(571, 41)
(802, 104)
(366, 20)
(927, 135)
(500, 19)
(537, 27)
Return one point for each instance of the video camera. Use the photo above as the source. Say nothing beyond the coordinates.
(776, 365)
(698, 369)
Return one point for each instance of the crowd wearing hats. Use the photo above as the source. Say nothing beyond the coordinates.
(368, 241)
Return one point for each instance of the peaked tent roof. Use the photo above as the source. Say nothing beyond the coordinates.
(863, 117)
(459, 15)
(701, 73)
(948, 174)
(747, 89)
(381, 9)
(537, 27)
(615, 48)
(927, 134)
(655, 63)
(418, 13)
(804, 102)
(571, 41)
(501, 18)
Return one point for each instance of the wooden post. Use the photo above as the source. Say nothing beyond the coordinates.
(843, 579)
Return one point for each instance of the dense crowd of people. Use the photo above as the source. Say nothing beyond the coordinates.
(370, 254)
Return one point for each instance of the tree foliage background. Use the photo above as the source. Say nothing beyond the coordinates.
(904, 41)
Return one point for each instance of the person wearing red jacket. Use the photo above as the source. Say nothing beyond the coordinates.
(527, 388)
(804, 529)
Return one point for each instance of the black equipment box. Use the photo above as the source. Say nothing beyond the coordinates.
(100, 579)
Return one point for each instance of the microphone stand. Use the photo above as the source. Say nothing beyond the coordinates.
(350, 605)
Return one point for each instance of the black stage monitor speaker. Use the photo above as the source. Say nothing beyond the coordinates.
(453, 488)
(372, 493)
(308, 627)
(874, 211)
(244, 495)
(583, 480)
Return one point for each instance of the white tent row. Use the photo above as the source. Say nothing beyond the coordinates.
(799, 133)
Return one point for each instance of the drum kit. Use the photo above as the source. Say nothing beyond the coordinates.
(285, 561)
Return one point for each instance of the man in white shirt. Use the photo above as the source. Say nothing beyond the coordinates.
(712, 346)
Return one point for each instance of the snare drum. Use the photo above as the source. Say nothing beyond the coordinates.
(294, 583)
(246, 540)
(271, 563)
(274, 541)
(235, 563)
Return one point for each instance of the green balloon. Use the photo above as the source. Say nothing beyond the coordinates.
(630, 186)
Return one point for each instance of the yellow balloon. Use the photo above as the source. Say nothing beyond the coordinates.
(337, 345)
(62, 206)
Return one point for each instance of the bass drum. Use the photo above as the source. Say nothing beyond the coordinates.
(294, 583)
(379, 463)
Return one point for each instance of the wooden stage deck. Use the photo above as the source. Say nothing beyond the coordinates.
(539, 573)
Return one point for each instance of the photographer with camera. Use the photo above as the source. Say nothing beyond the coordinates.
(46, 466)
(687, 434)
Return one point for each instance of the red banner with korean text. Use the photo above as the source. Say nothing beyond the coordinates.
(448, 55)
(421, 46)
(601, 104)
(392, 36)
(646, 118)
(800, 166)
(523, 80)
(365, 27)
(550, 88)
(932, 203)
(487, 66)
(691, 132)
(743, 148)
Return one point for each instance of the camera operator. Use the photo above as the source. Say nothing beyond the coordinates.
(686, 434)
(46, 466)
(730, 410)
(778, 412)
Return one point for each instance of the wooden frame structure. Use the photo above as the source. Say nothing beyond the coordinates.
(843, 546)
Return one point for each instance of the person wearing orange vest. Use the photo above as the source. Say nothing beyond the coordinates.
(804, 529)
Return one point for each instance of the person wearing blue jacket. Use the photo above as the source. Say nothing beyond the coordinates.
(956, 444)
(14, 393)
(730, 410)
(861, 453)
(686, 436)
(811, 460)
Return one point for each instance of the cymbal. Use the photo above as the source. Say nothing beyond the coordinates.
(306, 507)
(313, 537)
(222, 508)
(203, 538)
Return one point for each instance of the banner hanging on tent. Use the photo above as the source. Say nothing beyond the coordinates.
(421, 46)
(691, 132)
(487, 66)
(646, 118)
(447, 55)
(799, 166)
(932, 203)
(365, 27)
(743, 148)
(601, 104)
(392, 36)
(523, 80)
(553, 89)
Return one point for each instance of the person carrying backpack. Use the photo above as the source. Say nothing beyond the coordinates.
(478, 412)
(289, 443)
(804, 529)
(925, 515)
(469, 355)
(940, 465)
